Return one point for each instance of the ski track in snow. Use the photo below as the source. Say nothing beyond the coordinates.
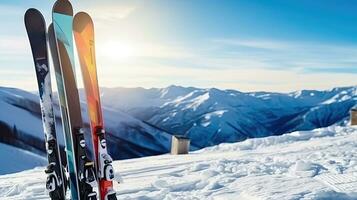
(318, 164)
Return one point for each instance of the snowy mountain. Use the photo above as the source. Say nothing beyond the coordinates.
(212, 116)
(16, 159)
(306, 165)
(21, 127)
(140, 121)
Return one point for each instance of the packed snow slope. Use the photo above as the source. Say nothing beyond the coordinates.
(318, 164)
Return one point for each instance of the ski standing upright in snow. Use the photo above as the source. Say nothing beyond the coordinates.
(36, 30)
(84, 36)
(81, 169)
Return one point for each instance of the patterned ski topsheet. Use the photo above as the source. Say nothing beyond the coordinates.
(63, 48)
(36, 29)
(84, 36)
(83, 29)
(37, 36)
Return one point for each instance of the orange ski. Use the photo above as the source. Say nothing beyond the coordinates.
(84, 36)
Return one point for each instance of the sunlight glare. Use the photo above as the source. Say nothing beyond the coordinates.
(116, 50)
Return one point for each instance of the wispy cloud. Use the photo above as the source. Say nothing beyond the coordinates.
(134, 57)
(247, 79)
(332, 70)
(283, 67)
(13, 47)
(8, 11)
(254, 43)
(308, 57)
(126, 50)
(111, 13)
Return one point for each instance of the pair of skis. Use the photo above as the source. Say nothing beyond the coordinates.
(84, 173)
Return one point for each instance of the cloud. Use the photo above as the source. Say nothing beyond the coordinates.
(332, 70)
(111, 13)
(284, 55)
(18, 78)
(14, 47)
(254, 43)
(284, 67)
(8, 11)
(247, 79)
(119, 50)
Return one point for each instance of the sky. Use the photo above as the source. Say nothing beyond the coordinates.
(247, 45)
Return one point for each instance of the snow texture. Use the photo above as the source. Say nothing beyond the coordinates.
(318, 164)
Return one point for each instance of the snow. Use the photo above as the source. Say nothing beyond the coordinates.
(194, 112)
(188, 111)
(208, 116)
(14, 160)
(318, 164)
(10, 104)
(21, 109)
(196, 102)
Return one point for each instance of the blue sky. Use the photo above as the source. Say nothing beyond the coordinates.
(249, 45)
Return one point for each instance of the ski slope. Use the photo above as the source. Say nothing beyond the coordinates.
(318, 164)
(15, 159)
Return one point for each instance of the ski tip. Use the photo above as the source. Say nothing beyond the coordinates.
(83, 16)
(32, 12)
(63, 7)
(34, 17)
(81, 20)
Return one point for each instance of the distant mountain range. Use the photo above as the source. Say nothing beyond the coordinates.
(212, 116)
(140, 121)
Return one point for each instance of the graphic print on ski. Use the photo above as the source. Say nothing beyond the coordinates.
(83, 29)
(84, 171)
(36, 30)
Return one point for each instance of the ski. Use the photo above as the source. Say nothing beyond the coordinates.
(36, 30)
(84, 36)
(82, 174)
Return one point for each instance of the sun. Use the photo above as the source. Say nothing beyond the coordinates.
(116, 50)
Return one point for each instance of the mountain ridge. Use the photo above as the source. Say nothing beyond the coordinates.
(140, 121)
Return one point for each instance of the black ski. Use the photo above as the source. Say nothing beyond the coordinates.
(36, 30)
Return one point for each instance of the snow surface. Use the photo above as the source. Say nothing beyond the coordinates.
(318, 164)
(14, 159)
(12, 102)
